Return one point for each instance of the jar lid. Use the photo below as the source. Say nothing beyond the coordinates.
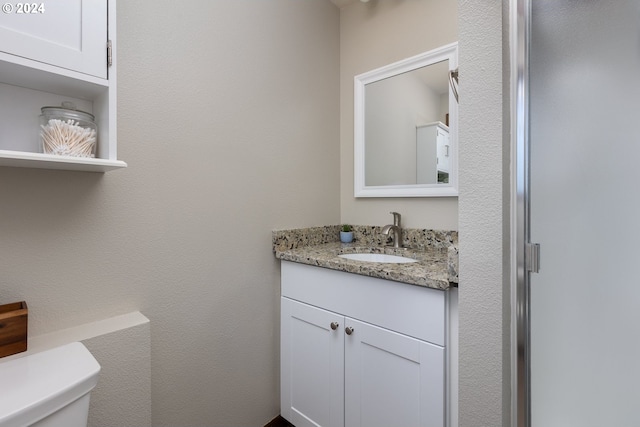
(69, 113)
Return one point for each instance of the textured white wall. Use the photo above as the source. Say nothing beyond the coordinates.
(374, 34)
(484, 219)
(228, 118)
(122, 396)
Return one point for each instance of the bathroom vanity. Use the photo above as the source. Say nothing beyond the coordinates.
(358, 349)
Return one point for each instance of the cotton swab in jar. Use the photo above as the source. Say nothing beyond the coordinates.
(67, 138)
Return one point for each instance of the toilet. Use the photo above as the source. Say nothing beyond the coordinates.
(48, 389)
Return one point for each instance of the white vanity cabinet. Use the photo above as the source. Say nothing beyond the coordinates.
(361, 351)
(432, 138)
(50, 53)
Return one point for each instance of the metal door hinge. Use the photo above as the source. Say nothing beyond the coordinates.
(109, 54)
(532, 257)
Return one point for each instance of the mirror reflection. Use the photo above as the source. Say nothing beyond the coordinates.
(405, 136)
(406, 127)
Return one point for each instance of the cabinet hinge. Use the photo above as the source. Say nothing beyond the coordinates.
(532, 257)
(109, 54)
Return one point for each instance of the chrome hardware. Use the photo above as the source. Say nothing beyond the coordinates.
(454, 81)
(334, 325)
(532, 257)
(395, 228)
(349, 330)
(109, 54)
(396, 218)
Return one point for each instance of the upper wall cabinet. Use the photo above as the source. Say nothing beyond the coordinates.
(53, 53)
(68, 34)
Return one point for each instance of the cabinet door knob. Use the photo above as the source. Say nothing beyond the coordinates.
(349, 330)
(334, 325)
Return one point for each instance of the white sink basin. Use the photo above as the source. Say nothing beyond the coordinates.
(393, 259)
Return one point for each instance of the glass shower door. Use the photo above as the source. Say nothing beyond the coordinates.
(584, 138)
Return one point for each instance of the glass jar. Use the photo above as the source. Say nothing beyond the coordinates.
(65, 131)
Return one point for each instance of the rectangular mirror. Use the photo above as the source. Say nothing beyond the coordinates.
(405, 128)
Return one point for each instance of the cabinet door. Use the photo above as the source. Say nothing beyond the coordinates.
(392, 379)
(70, 34)
(426, 155)
(443, 151)
(312, 365)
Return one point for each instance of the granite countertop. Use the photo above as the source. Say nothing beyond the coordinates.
(435, 251)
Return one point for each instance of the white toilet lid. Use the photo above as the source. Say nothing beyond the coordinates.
(36, 385)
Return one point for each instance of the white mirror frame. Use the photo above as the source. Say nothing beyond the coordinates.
(448, 52)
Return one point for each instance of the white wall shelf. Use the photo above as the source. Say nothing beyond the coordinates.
(28, 83)
(49, 161)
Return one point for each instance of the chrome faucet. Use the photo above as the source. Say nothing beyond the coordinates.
(395, 228)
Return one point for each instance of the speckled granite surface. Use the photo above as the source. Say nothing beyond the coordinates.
(435, 250)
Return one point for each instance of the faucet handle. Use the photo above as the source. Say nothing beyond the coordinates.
(396, 218)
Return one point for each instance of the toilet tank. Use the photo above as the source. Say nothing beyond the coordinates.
(48, 389)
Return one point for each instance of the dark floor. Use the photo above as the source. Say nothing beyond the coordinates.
(279, 422)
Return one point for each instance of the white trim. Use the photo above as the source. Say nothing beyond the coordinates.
(448, 53)
(39, 343)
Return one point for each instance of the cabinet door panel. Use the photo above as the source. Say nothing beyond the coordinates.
(443, 151)
(312, 366)
(392, 379)
(426, 155)
(70, 34)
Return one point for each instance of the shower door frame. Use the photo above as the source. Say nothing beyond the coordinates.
(519, 33)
